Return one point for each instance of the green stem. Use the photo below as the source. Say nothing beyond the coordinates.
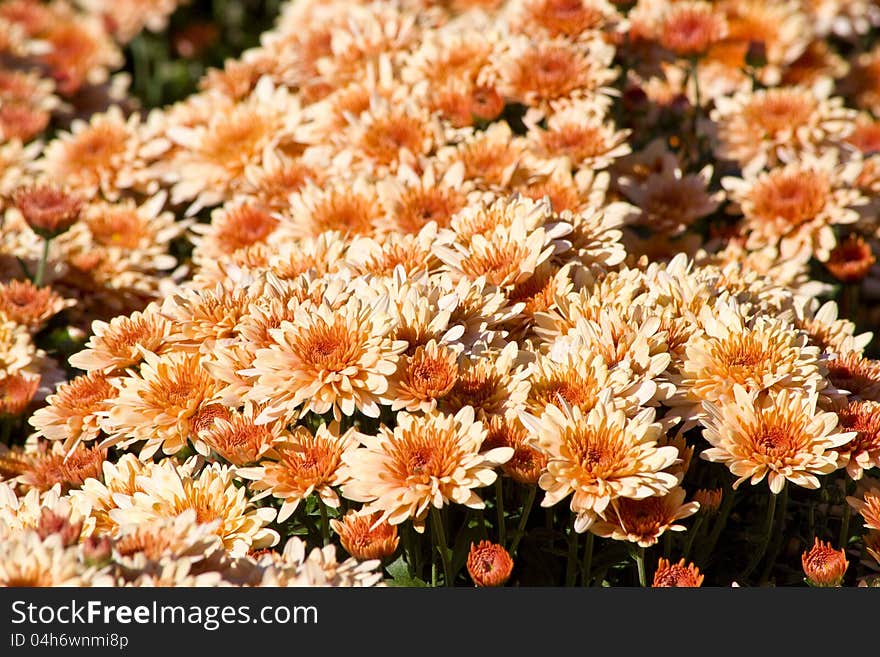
(587, 564)
(571, 564)
(692, 534)
(41, 268)
(718, 527)
(440, 539)
(844, 526)
(758, 554)
(777, 537)
(325, 522)
(499, 508)
(639, 558)
(524, 518)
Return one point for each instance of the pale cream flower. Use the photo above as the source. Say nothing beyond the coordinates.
(303, 464)
(600, 456)
(169, 490)
(795, 206)
(327, 359)
(643, 521)
(777, 435)
(425, 461)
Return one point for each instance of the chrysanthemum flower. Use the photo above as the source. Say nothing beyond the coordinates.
(351, 207)
(303, 464)
(424, 461)
(233, 226)
(412, 200)
(120, 343)
(505, 256)
(78, 50)
(365, 537)
(754, 127)
(320, 567)
(670, 202)
(835, 336)
(689, 29)
(489, 564)
(823, 565)
(26, 560)
(148, 545)
(169, 490)
(328, 358)
(72, 413)
(867, 502)
(528, 461)
(779, 435)
(213, 157)
(128, 18)
(851, 260)
(43, 467)
(236, 437)
(16, 392)
(159, 403)
(580, 133)
(681, 574)
(541, 73)
(381, 256)
(709, 499)
(199, 318)
(855, 374)
(643, 521)
(863, 451)
(600, 456)
(48, 210)
(423, 378)
(487, 383)
(96, 497)
(795, 206)
(574, 19)
(763, 354)
(101, 155)
(24, 303)
(17, 350)
(490, 157)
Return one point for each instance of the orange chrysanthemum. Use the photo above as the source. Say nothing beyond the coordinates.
(425, 461)
(16, 392)
(681, 574)
(73, 413)
(779, 436)
(302, 465)
(690, 28)
(600, 456)
(823, 565)
(489, 564)
(365, 537)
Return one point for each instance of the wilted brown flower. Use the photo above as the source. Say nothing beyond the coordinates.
(823, 565)
(489, 564)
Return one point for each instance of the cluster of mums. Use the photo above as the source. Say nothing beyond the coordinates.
(410, 270)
